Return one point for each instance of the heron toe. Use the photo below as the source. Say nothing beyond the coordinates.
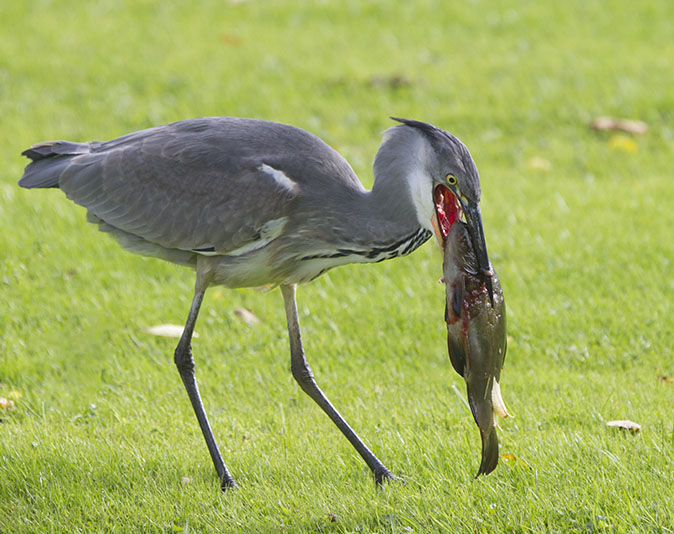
(386, 476)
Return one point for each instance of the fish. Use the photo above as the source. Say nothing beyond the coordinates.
(476, 337)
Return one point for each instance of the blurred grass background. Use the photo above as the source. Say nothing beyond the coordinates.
(101, 437)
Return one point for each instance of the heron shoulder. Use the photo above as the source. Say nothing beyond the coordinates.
(232, 143)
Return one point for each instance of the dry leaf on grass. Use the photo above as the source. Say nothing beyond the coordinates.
(231, 39)
(6, 404)
(217, 294)
(246, 316)
(623, 143)
(167, 330)
(666, 379)
(625, 424)
(511, 458)
(391, 81)
(612, 124)
(539, 164)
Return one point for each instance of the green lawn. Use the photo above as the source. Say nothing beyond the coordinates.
(101, 437)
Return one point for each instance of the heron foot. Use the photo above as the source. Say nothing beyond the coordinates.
(384, 475)
(228, 484)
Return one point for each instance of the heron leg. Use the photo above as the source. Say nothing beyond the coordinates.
(185, 363)
(305, 378)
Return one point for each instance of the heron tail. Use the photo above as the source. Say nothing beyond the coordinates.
(48, 161)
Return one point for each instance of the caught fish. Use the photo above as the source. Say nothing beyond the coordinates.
(476, 337)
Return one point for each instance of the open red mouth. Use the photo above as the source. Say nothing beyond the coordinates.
(447, 210)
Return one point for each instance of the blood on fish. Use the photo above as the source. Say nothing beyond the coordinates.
(451, 317)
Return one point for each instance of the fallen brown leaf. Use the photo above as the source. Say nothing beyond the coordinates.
(621, 125)
(512, 458)
(623, 143)
(231, 39)
(6, 404)
(246, 316)
(667, 379)
(393, 81)
(217, 294)
(167, 330)
(625, 424)
(539, 164)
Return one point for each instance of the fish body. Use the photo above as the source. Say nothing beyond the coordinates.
(476, 337)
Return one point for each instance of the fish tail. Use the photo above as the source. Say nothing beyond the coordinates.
(483, 413)
(489, 452)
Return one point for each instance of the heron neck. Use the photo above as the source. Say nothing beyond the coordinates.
(398, 199)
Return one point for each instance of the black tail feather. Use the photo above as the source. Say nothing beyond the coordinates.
(48, 161)
(39, 151)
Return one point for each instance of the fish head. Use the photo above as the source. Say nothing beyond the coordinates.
(459, 263)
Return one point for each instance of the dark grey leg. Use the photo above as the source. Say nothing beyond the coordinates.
(185, 363)
(305, 378)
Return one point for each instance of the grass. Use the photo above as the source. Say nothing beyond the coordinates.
(578, 223)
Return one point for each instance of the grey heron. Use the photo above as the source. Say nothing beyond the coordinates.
(249, 203)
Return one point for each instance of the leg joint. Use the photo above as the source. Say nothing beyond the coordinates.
(183, 359)
(302, 373)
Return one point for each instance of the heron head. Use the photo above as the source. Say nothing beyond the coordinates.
(456, 190)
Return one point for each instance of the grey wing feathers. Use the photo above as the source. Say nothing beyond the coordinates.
(188, 185)
(175, 201)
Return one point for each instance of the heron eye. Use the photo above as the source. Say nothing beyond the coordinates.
(451, 179)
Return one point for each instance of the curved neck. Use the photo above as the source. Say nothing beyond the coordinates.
(403, 189)
(407, 199)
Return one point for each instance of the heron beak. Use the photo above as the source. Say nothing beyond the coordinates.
(474, 221)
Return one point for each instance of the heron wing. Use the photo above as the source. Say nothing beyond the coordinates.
(212, 184)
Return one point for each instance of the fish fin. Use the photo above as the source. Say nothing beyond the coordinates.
(457, 355)
(497, 401)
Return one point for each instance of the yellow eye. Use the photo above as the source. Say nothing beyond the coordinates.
(451, 179)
